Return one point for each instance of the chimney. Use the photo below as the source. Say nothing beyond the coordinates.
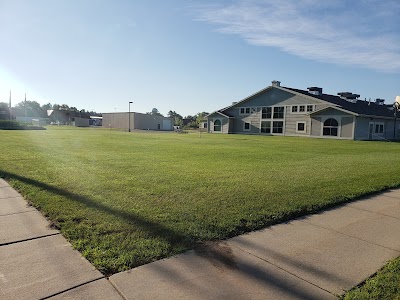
(276, 83)
(314, 90)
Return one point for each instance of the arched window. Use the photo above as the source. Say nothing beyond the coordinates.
(217, 125)
(331, 127)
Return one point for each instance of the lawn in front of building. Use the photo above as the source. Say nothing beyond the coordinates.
(126, 199)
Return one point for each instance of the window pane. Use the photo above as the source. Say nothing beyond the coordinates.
(277, 127)
(327, 131)
(217, 125)
(309, 108)
(294, 108)
(266, 127)
(242, 110)
(269, 112)
(278, 112)
(246, 126)
(247, 110)
(302, 108)
(334, 131)
(300, 127)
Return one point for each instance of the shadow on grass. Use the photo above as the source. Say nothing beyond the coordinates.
(175, 239)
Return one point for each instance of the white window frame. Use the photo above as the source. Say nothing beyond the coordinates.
(270, 126)
(240, 110)
(305, 109)
(379, 124)
(217, 119)
(273, 112)
(270, 112)
(305, 127)
(244, 126)
(338, 119)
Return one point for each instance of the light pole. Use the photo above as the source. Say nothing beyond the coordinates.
(129, 116)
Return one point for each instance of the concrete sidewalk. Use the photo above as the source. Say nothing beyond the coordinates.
(316, 257)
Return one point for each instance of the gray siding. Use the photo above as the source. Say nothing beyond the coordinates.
(117, 120)
(344, 120)
(316, 126)
(347, 127)
(362, 129)
(224, 124)
(291, 124)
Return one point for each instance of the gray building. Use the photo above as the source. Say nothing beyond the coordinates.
(278, 110)
(137, 120)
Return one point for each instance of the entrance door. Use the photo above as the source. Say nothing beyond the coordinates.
(371, 131)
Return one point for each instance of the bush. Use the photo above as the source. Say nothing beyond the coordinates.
(14, 125)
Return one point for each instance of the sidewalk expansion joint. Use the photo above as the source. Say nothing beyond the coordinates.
(71, 288)
(287, 271)
(116, 289)
(351, 236)
(30, 239)
(21, 212)
(373, 212)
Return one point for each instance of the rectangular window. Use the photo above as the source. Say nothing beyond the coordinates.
(379, 128)
(254, 110)
(246, 126)
(279, 112)
(266, 126)
(266, 113)
(242, 110)
(302, 108)
(294, 108)
(301, 127)
(310, 107)
(277, 127)
(247, 110)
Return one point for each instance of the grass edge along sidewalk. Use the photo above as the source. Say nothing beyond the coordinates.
(384, 285)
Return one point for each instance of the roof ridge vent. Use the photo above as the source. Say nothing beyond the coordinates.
(348, 96)
(276, 83)
(315, 90)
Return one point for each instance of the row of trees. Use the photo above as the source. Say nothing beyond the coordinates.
(187, 121)
(34, 109)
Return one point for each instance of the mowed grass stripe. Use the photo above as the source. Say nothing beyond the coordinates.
(125, 199)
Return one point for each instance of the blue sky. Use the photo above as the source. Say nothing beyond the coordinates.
(192, 56)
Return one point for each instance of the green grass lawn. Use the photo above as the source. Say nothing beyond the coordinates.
(125, 199)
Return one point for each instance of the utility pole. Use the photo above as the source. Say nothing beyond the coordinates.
(25, 108)
(129, 116)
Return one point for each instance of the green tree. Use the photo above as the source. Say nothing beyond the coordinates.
(155, 112)
(30, 109)
(4, 111)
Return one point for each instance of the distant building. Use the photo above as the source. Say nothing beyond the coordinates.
(61, 116)
(137, 120)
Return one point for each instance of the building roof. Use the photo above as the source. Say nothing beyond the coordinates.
(354, 106)
(360, 107)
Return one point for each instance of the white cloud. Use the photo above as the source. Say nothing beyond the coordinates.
(363, 33)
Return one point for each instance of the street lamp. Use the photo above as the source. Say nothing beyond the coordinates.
(129, 116)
